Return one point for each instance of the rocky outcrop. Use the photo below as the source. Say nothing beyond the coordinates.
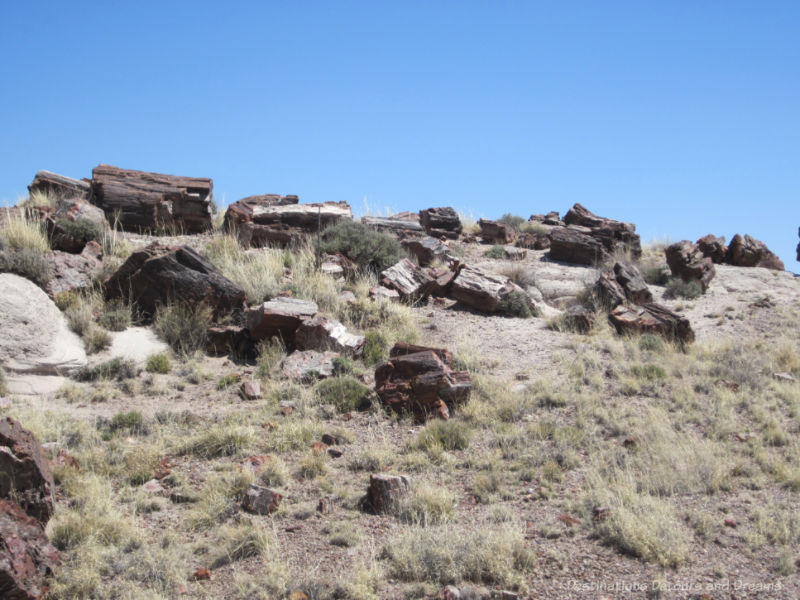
(154, 202)
(308, 365)
(421, 381)
(441, 222)
(589, 239)
(34, 336)
(496, 233)
(484, 291)
(280, 317)
(159, 275)
(750, 252)
(26, 555)
(25, 476)
(426, 250)
(323, 333)
(575, 245)
(713, 247)
(651, 318)
(685, 260)
(73, 272)
(281, 221)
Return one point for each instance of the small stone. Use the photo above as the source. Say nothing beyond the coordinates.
(298, 595)
(153, 486)
(335, 453)
(318, 448)
(449, 592)
(201, 574)
(730, 522)
(328, 439)
(324, 506)
(250, 390)
(783, 376)
(260, 500)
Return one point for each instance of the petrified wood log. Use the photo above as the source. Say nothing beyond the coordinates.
(713, 247)
(749, 252)
(442, 221)
(573, 246)
(241, 211)
(401, 227)
(483, 291)
(686, 261)
(25, 476)
(410, 281)
(139, 200)
(278, 317)
(386, 494)
(57, 186)
(636, 290)
(426, 250)
(500, 233)
(651, 318)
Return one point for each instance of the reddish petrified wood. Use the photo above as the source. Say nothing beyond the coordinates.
(25, 475)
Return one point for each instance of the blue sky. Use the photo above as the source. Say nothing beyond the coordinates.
(682, 117)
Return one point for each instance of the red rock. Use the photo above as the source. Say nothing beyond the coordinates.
(495, 232)
(484, 291)
(386, 493)
(632, 282)
(381, 292)
(730, 522)
(426, 250)
(25, 475)
(568, 520)
(575, 246)
(63, 459)
(319, 448)
(26, 555)
(324, 506)
(260, 500)
(201, 574)
(250, 390)
(686, 261)
(324, 333)
(713, 247)
(409, 280)
(73, 272)
(750, 252)
(651, 318)
(279, 317)
(439, 222)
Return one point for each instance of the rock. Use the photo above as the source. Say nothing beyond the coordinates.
(25, 476)
(142, 201)
(439, 222)
(339, 265)
(201, 574)
(34, 336)
(426, 250)
(515, 253)
(579, 319)
(783, 376)
(580, 215)
(26, 555)
(713, 247)
(750, 252)
(250, 390)
(533, 241)
(380, 292)
(67, 237)
(241, 211)
(410, 281)
(386, 494)
(279, 317)
(348, 297)
(323, 333)
(153, 487)
(483, 291)
(613, 235)
(608, 291)
(160, 275)
(449, 592)
(550, 218)
(498, 233)
(308, 365)
(402, 227)
(441, 281)
(229, 340)
(421, 382)
(260, 500)
(632, 282)
(651, 318)
(57, 186)
(74, 272)
(261, 236)
(571, 245)
(686, 261)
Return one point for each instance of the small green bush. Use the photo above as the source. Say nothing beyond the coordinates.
(345, 393)
(84, 230)
(184, 328)
(369, 249)
(443, 435)
(496, 252)
(651, 343)
(517, 304)
(376, 348)
(648, 372)
(116, 368)
(131, 421)
(226, 381)
(514, 221)
(28, 263)
(96, 339)
(116, 315)
(158, 363)
(678, 288)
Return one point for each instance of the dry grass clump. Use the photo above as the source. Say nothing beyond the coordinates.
(258, 272)
(428, 506)
(183, 327)
(223, 439)
(243, 540)
(447, 555)
(23, 246)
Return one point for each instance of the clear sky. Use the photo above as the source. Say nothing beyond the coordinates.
(682, 117)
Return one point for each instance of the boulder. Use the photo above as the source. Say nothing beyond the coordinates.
(323, 333)
(241, 211)
(441, 222)
(308, 365)
(580, 215)
(636, 290)
(613, 235)
(574, 245)
(339, 265)
(57, 186)
(608, 291)
(686, 261)
(279, 317)
(386, 494)
(533, 241)
(25, 476)
(260, 500)
(441, 281)
(410, 281)
(26, 555)
(73, 272)
(426, 250)
(421, 381)
(750, 252)
(250, 390)
(497, 233)
(713, 247)
(278, 235)
(159, 275)
(550, 218)
(483, 291)
(34, 336)
(403, 225)
(516, 253)
(73, 223)
(651, 318)
(229, 340)
(142, 201)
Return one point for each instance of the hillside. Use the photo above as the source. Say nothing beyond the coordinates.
(607, 463)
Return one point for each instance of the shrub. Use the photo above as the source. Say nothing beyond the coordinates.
(158, 363)
(346, 393)
(369, 249)
(30, 264)
(220, 440)
(443, 435)
(23, 232)
(96, 339)
(84, 230)
(116, 368)
(131, 421)
(427, 506)
(496, 251)
(183, 327)
(243, 541)
(116, 315)
(678, 288)
(517, 304)
(270, 354)
(514, 221)
(376, 348)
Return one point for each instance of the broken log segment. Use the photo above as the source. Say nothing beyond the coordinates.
(154, 202)
(59, 187)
